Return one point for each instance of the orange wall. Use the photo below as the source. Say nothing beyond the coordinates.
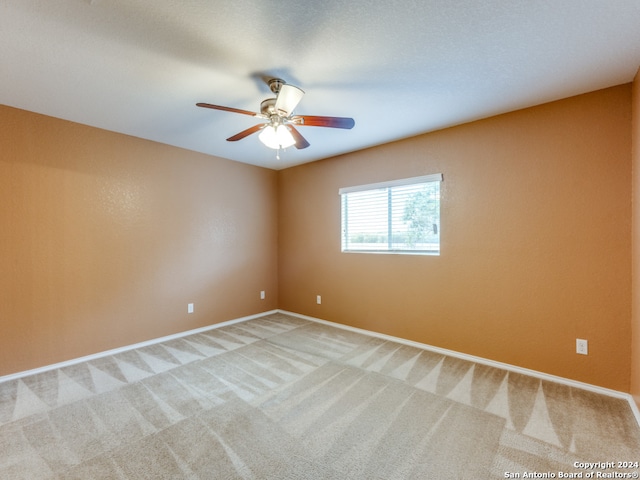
(635, 349)
(105, 238)
(536, 244)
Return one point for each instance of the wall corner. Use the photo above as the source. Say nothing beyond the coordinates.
(635, 240)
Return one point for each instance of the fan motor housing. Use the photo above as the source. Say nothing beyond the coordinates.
(268, 106)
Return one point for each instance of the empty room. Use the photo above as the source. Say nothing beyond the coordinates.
(331, 240)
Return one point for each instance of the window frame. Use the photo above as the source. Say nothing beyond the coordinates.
(389, 185)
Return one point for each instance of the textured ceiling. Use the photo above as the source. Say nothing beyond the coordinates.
(398, 67)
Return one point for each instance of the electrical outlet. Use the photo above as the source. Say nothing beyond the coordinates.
(318, 299)
(582, 347)
(262, 295)
(190, 308)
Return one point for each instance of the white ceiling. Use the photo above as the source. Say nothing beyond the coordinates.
(398, 67)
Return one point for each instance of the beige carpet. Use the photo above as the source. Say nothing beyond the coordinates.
(284, 398)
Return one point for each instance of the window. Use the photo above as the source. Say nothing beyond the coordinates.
(401, 216)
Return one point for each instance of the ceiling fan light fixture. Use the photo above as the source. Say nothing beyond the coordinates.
(279, 129)
(276, 137)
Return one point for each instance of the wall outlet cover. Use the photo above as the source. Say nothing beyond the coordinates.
(582, 346)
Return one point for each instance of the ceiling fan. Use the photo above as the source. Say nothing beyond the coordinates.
(279, 129)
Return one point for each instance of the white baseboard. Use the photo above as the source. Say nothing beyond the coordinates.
(444, 351)
(484, 361)
(146, 343)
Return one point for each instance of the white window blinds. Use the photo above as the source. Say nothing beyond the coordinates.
(401, 216)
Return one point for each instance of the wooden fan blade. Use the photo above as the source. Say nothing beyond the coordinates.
(319, 121)
(246, 133)
(227, 109)
(301, 142)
